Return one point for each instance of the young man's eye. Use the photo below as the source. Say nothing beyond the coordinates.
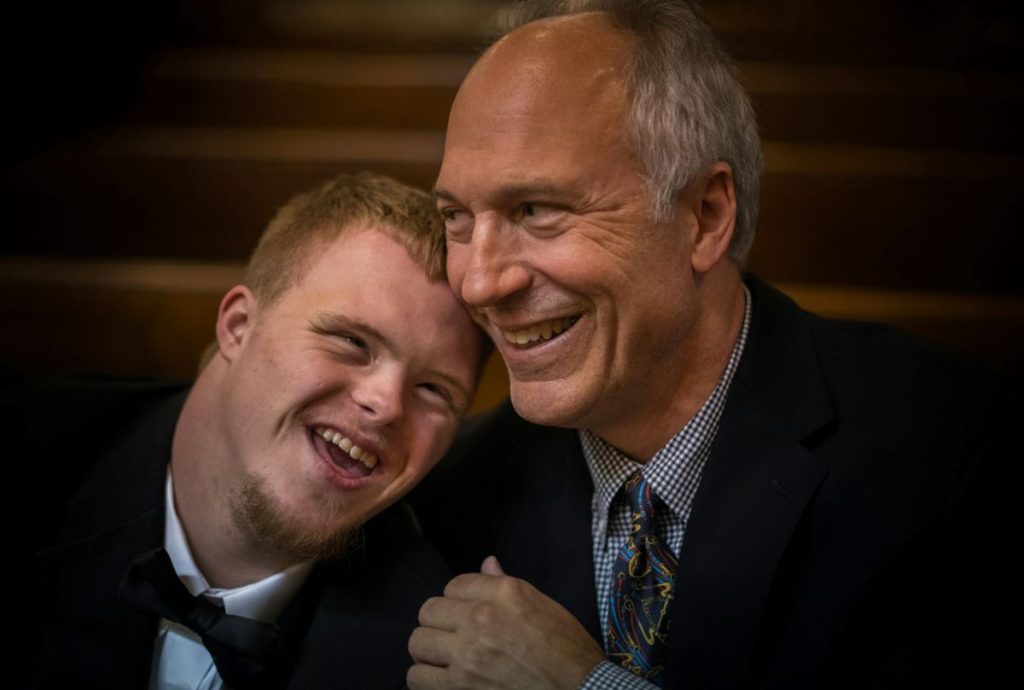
(439, 393)
(434, 389)
(353, 340)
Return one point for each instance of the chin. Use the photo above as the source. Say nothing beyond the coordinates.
(294, 532)
(547, 404)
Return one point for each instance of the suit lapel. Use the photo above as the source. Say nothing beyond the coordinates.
(364, 609)
(757, 482)
(551, 514)
(569, 578)
(116, 514)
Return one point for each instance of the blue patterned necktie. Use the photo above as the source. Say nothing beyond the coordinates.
(643, 583)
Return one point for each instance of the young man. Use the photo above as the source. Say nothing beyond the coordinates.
(191, 536)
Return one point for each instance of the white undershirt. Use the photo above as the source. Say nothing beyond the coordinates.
(180, 661)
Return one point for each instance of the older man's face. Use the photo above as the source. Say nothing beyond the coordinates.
(550, 240)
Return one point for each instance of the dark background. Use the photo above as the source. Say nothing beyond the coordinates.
(145, 146)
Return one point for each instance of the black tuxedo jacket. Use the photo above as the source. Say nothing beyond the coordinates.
(102, 452)
(848, 531)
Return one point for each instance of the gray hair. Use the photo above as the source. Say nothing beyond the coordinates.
(689, 110)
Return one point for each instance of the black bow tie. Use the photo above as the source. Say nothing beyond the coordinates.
(248, 653)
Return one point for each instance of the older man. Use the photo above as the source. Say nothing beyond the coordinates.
(192, 535)
(744, 495)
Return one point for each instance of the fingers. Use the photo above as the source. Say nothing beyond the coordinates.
(490, 630)
(491, 566)
(478, 587)
(431, 646)
(422, 677)
(443, 613)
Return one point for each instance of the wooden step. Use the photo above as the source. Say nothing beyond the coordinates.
(874, 217)
(155, 317)
(907, 108)
(298, 89)
(950, 33)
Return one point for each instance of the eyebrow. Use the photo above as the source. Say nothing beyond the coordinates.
(333, 322)
(442, 193)
(515, 191)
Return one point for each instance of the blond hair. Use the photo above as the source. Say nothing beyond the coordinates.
(316, 218)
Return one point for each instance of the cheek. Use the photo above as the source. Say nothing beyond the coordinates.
(455, 266)
(591, 262)
(429, 440)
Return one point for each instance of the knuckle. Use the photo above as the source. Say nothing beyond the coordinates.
(485, 615)
(511, 588)
(455, 584)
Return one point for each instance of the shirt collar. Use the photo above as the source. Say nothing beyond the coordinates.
(683, 454)
(263, 600)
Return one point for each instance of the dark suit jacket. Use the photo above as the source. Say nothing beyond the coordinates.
(847, 532)
(102, 451)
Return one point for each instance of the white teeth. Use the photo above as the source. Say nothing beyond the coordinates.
(355, 452)
(540, 332)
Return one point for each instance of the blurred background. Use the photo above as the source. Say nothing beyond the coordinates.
(146, 145)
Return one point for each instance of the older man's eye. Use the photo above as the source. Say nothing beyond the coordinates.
(540, 216)
(458, 223)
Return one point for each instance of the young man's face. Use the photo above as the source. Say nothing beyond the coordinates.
(343, 393)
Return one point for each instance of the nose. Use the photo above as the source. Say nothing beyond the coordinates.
(379, 394)
(489, 266)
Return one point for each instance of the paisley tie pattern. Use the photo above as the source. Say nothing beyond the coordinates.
(643, 583)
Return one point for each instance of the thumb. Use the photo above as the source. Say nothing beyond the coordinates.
(491, 566)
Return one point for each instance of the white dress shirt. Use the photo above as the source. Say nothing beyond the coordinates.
(180, 661)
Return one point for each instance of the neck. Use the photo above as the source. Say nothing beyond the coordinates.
(204, 493)
(690, 376)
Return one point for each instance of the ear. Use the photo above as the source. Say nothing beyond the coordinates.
(713, 203)
(235, 320)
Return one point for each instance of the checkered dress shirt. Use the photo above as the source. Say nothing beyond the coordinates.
(674, 473)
